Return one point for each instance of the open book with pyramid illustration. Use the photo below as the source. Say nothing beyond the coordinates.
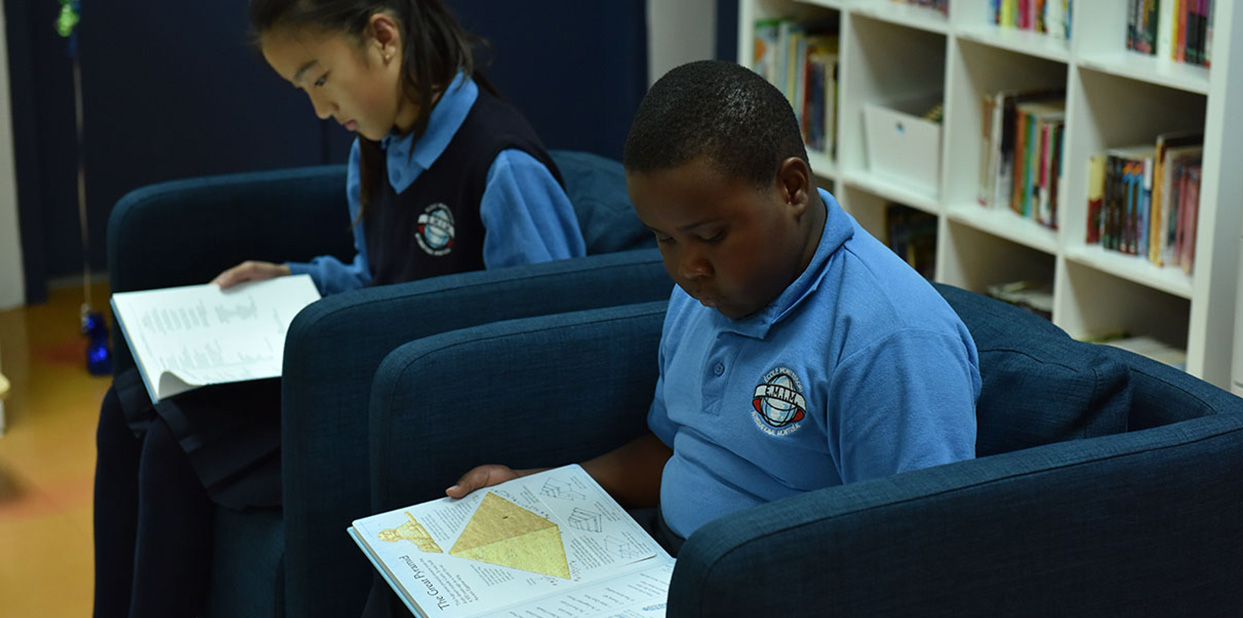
(552, 542)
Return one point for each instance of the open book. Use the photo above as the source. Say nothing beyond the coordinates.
(549, 544)
(186, 337)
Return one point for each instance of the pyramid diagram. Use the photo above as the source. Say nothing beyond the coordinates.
(505, 534)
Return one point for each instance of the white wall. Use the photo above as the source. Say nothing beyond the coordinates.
(12, 283)
(679, 31)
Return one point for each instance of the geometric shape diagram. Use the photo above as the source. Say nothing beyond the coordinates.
(623, 549)
(414, 532)
(562, 490)
(505, 534)
(586, 521)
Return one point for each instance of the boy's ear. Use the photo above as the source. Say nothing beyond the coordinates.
(794, 182)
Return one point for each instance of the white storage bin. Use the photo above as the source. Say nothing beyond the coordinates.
(902, 147)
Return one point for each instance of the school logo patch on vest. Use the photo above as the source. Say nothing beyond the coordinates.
(779, 403)
(435, 233)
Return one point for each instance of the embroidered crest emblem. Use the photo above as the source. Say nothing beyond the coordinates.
(435, 231)
(779, 403)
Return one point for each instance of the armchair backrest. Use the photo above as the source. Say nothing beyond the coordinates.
(531, 392)
(331, 354)
(185, 232)
(1039, 385)
(597, 188)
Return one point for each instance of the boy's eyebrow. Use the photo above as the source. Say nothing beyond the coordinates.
(297, 76)
(691, 226)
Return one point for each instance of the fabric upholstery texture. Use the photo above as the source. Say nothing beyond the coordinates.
(1039, 385)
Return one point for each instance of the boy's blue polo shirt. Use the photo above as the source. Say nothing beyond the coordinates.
(858, 370)
(527, 214)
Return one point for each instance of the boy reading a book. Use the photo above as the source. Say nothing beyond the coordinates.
(798, 351)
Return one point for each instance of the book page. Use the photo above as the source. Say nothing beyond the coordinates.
(507, 544)
(639, 594)
(196, 335)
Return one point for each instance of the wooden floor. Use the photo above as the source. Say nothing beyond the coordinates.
(47, 459)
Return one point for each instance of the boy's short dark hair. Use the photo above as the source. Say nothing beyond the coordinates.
(719, 110)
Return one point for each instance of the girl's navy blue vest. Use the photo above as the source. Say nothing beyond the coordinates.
(433, 227)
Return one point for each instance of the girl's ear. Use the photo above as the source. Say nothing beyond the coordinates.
(794, 182)
(384, 33)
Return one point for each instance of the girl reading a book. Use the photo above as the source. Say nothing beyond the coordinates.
(444, 177)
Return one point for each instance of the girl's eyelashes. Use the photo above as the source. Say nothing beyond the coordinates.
(715, 237)
(320, 82)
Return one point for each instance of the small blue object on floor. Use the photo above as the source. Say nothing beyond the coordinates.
(98, 356)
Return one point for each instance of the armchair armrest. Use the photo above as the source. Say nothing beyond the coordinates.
(331, 353)
(534, 392)
(187, 231)
(1143, 523)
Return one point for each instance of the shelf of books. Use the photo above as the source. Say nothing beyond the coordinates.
(1070, 155)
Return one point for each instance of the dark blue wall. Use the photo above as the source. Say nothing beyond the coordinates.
(173, 90)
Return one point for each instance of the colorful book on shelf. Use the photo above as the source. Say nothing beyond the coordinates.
(1046, 16)
(912, 234)
(766, 49)
(1003, 151)
(800, 59)
(1043, 119)
(1134, 165)
(819, 102)
(1174, 161)
(1167, 143)
(1190, 211)
(1096, 198)
(548, 544)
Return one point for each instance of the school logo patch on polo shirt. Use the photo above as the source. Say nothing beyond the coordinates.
(779, 403)
(435, 231)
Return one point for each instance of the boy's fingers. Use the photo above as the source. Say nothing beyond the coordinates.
(478, 478)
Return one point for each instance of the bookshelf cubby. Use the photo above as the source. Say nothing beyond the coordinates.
(892, 51)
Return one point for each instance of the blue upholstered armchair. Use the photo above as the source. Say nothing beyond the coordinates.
(297, 561)
(1106, 484)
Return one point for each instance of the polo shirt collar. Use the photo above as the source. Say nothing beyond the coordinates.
(446, 118)
(838, 228)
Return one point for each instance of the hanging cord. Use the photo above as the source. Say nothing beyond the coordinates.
(83, 224)
(98, 357)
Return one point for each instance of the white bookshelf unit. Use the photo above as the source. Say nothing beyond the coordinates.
(891, 51)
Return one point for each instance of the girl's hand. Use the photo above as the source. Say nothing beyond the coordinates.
(485, 476)
(250, 270)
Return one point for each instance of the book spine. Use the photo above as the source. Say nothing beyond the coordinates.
(1145, 207)
(1180, 44)
(1208, 35)
(1096, 198)
(984, 190)
(1165, 28)
(1188, 254)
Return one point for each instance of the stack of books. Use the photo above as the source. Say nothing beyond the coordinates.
(1021, 152)
(1051, 17)
(800, 59)
(912, 234)
(1144, 200)
(1178, 30)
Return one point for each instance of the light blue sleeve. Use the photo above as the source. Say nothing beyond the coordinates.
(330, 274)
(526, 214)
(904, 403)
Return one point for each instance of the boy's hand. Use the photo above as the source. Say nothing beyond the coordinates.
(250, 270)
(484, 476)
